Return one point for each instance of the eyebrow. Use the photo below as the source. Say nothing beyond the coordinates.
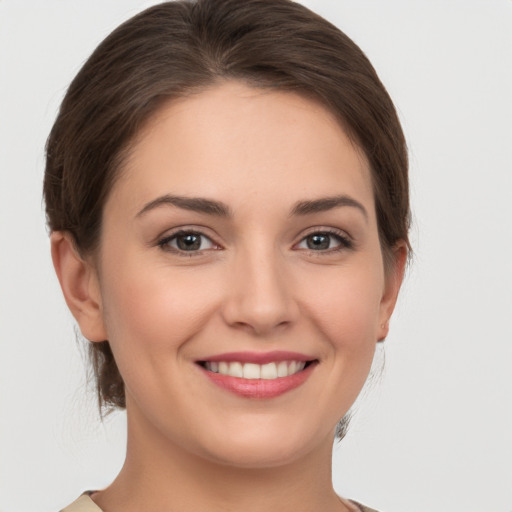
(327, 203)
(196, 204)
(217, 208)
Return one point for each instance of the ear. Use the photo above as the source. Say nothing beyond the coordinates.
(80, 286)
(393, 281)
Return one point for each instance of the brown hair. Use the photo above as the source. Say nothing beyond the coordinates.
(176, 47)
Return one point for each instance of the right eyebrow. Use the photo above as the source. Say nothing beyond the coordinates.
(324, 204)
(196, 204)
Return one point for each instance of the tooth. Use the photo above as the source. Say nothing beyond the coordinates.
(255, 371)
(235, 370)
(282, 369)
(269, 371)
(251, 371)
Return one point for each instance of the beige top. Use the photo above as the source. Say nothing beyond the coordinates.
(85, 504)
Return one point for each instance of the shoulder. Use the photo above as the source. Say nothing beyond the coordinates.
(362, 508)
(83, 504)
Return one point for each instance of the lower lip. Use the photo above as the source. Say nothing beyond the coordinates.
(260, 388)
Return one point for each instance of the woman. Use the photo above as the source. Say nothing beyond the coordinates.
(226, 189)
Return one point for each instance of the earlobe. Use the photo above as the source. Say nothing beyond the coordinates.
(393, 281)
(79, 283)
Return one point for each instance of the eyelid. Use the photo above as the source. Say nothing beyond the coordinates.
(346, 241)
(164, 239)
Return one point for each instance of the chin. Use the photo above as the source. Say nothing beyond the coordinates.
(264, 447)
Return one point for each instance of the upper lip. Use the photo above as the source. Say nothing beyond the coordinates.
(258, 357)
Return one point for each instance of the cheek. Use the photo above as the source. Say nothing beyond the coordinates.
(346, 304)
(154, 312)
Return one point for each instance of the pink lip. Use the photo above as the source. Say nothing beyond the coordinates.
(259, 388)
(259, 357)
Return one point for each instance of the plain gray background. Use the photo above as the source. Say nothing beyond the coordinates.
(435, 431)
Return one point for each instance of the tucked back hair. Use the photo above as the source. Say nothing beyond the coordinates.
(178, 47)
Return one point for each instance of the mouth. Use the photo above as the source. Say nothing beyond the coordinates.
(253, 371)
(258, 375)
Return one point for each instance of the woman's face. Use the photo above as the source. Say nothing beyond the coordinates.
(241, 277)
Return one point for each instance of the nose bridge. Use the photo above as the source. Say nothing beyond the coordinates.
(260, 296)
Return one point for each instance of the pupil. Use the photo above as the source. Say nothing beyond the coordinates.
(189, 242)
(318, 241)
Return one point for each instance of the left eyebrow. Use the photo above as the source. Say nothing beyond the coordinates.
(327, 203)
(197, 204)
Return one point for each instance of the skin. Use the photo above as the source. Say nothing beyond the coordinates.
(256, 285)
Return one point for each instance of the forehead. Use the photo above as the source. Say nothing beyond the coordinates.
(234, 142)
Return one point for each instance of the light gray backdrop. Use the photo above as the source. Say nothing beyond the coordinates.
(436, 432)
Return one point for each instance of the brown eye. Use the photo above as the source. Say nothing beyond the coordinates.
(318, 241)
(187, 241)
(324, 241)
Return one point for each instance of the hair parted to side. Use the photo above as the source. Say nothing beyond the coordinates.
(178, 47)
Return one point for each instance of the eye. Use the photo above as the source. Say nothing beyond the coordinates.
(325, 241)
(187, 241)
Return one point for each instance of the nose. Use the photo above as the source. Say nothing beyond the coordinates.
(260, 295)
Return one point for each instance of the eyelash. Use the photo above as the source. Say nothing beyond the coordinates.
(345, 242)
(164, 242)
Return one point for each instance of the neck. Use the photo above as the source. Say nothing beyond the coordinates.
(160, 475)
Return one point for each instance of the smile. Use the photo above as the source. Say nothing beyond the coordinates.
(256, 371)
(252, 375)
